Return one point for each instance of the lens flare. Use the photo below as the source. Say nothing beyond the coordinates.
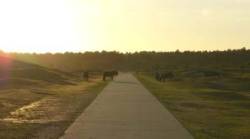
(5, 67)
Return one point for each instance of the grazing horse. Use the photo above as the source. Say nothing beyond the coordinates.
(110, 74)
(115, 73)
(86, 75)
(162, 76)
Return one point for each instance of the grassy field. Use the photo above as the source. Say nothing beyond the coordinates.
(36, 102)
(209, 107)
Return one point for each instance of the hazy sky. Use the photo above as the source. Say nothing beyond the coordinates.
(123, 25)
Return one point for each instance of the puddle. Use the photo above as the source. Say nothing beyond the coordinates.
(48, 109)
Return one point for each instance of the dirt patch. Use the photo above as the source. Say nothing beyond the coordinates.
(43, 111)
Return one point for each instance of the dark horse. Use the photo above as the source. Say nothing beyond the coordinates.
(109, 74)
(85, 75)
(162, 76)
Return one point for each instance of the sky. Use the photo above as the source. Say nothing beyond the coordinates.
(123, 25)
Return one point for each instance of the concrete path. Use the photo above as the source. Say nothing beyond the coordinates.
(126, 110)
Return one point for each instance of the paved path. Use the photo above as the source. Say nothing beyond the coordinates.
(126, 110)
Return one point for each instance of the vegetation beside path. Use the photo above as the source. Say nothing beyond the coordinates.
(209, 107)
(38, 102)
(47, 112)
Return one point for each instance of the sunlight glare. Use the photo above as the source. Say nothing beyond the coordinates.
(36, 26)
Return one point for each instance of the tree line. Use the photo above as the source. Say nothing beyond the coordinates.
(139, 61)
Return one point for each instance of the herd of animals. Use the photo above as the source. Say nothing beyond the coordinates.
(159, 76)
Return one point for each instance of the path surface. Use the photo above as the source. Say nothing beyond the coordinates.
(126, 110)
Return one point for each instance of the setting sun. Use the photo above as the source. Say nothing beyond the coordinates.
(89, 25)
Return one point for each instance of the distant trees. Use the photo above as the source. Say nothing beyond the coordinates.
(140, 61)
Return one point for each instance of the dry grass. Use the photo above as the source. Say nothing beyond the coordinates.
(44, 110)
(210, 108)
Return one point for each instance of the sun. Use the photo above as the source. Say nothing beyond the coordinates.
(37, 26)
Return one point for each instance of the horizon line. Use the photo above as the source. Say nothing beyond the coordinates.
(109, 51)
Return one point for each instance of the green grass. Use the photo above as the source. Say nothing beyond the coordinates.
(210, 108)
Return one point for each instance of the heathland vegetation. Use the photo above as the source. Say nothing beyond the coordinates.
(209, 92)
(210, 107)
(39, 102)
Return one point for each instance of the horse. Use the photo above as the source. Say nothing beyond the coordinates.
(110, 74)
(86, 75)
(162, 76)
